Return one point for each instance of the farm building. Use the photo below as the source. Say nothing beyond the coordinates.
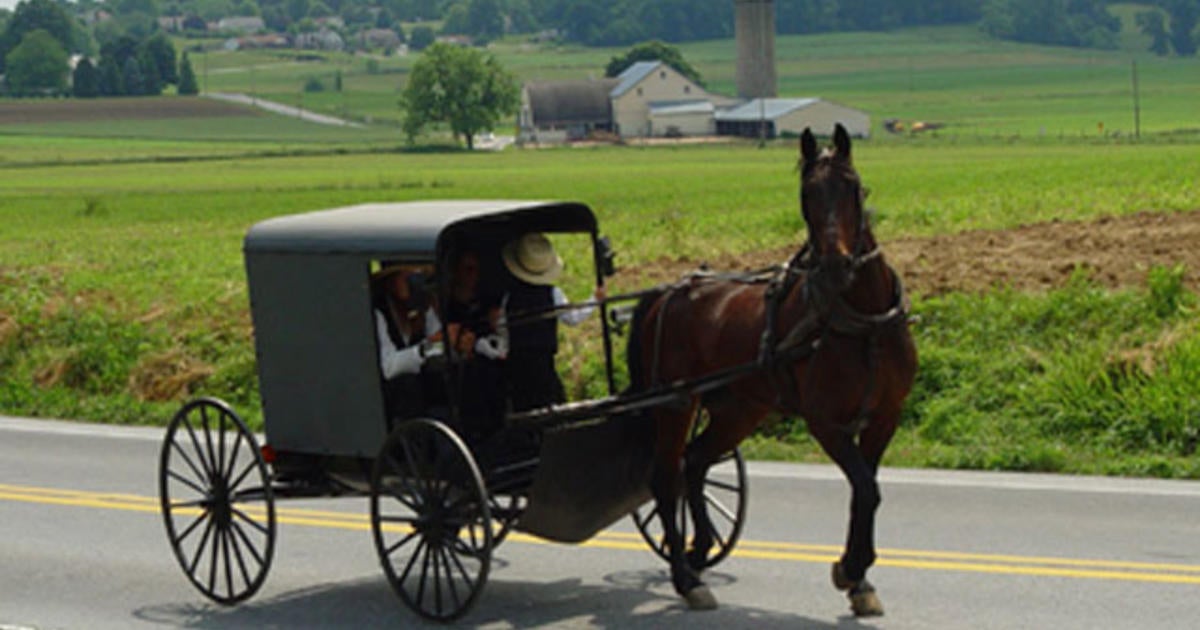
(651, 99)
(561, 111)
(786, 116)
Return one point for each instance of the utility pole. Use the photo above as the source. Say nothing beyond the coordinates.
(1137, 105)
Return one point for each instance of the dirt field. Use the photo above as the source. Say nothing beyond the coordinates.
(86, 110)
(1116, 251)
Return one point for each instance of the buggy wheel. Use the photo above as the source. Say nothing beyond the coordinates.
(216, 501)
(431, 519)
(726, 501)
(506, 511)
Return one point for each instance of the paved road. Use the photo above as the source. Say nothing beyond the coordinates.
(82, 546)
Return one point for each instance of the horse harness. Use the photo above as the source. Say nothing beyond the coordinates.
(830, 314)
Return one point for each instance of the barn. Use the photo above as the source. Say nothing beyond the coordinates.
(790, 116)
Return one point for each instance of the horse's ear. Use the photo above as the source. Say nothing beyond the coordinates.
(808, 147)
(841, 142)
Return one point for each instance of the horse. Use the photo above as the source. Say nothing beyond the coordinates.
(826, 339)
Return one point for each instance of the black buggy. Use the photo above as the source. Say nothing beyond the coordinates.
(440, 503)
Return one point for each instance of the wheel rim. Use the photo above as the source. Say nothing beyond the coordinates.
(726, 503)
(217, 504)
(431, 521)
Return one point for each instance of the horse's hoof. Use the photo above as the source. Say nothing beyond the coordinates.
(701, 598)
(840, 581)
(864, 602)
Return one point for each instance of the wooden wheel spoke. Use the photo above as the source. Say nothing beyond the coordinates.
(200, 476)
(237, 552)
(227, 471)
(412, 560)
(246, 540)
(197, 447)
(245, 517)
(446, 555)
(208, 440)
(208, 529)
(717, 505)
(192, 527)
(724, 485)
(225, 556)
(403, 541)
(187, 482)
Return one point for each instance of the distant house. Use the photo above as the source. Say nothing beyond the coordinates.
(458, 40)
(773, 117)
(251, 42)
(646, 86)
(384, 38)
(171, 23)
(239, 25)
(323, 39)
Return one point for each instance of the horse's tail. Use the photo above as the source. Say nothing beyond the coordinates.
(634, 351)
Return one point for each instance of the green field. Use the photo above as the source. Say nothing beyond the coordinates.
(975, 85)
(122, 289)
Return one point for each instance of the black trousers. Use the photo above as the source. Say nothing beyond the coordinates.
(533, 381)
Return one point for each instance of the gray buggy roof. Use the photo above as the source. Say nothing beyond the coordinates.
(409, 229)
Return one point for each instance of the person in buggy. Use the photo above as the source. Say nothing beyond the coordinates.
(409, 333)
(532, 330)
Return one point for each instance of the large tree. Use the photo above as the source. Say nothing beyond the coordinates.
(653, 51)
(465, 88)
(85, 81)
(187, 78)
(33, 15)
(1184, 16)
(38, 65)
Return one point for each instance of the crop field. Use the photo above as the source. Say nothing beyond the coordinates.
(978, 87)
(1054, 274)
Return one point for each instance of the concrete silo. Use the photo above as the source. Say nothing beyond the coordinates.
(755, 28)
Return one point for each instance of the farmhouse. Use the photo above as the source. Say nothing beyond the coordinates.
(652, 99)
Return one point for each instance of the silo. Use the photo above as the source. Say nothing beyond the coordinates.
(755, 28)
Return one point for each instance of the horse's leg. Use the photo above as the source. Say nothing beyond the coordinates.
(666, 484)
(728, 425)
(849, 573)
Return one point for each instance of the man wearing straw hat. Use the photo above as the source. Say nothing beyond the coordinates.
(533, 340)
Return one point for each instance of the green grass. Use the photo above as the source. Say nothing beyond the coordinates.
(113, 275)
(119, 269)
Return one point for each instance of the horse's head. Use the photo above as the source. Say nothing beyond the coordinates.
(831, 199)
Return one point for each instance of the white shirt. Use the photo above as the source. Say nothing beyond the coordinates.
(395, 361)
(572, 316)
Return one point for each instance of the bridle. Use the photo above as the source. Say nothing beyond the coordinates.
(829, 313)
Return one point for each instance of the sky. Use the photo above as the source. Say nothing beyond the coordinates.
(8, 4)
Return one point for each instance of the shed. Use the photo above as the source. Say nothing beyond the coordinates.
(782, 116)
(687, 118)
(565, 110)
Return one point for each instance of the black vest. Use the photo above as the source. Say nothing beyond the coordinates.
(540, 335)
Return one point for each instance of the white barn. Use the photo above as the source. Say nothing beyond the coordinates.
(790, 116)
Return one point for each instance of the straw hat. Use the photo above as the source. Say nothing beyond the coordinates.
(390, 269)
(532, 259)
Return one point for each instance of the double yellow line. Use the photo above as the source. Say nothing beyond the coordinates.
(999, 564)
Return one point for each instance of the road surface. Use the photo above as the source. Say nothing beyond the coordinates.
(82, 546)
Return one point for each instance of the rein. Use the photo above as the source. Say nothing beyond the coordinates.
(829, 313)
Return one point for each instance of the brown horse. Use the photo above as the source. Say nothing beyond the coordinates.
(829, 337)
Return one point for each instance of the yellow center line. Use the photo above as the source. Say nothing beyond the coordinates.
(1000, 564)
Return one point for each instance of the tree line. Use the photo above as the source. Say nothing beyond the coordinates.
(1084, 23)
(39, 38)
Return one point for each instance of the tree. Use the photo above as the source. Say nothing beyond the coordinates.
(33, 15)
(485, 20)
(1184, 16)
(38, 65)
(653, 51)
(422, 38)
(85, 81)
(187, 78)
(131, 72)
(463, 87)
(1153, 24)
(162, 52)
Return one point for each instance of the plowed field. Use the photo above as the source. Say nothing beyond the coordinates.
(86, 110)
(1116, 251)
